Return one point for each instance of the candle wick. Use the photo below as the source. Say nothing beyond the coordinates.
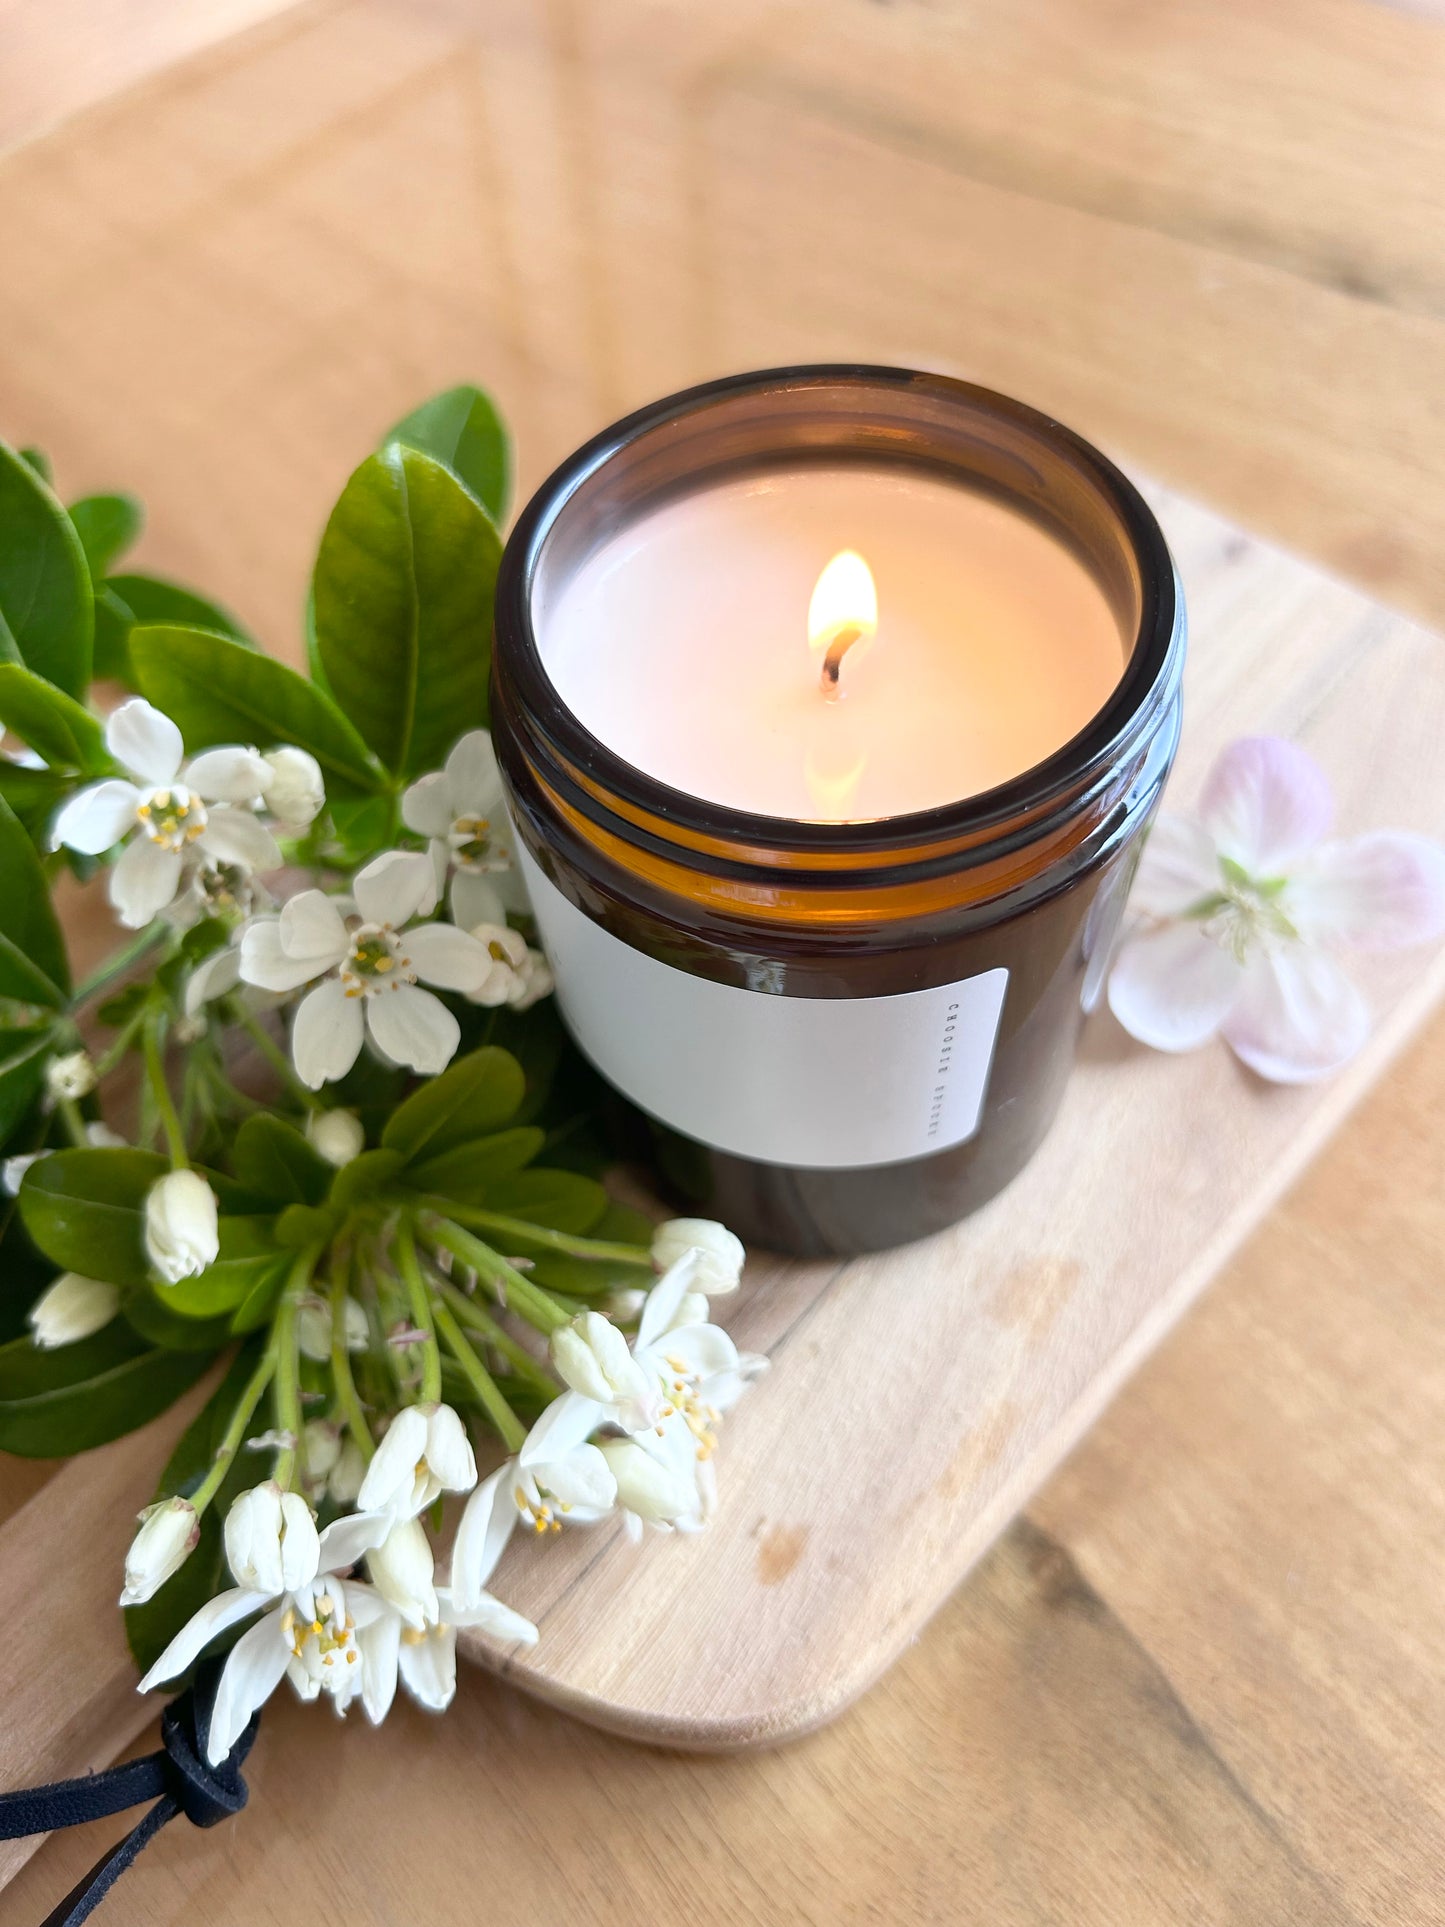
(833, 661)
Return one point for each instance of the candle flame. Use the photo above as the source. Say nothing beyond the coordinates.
(842, 615)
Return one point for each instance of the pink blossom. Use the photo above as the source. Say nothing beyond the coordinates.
(1241, 914)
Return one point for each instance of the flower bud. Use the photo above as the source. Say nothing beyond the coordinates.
(313, 1328)
(182, 1234)
(720, 1254)
(592, 1357)
(70, 1076)
(660, 1490)
(346, 1475)
(294, 791)
(271, 1540)
(534, 981)
(169, 1533)
(320, 1449)
(403, 1571)
(337, 1135)
(12, 1170)
(72, 1308)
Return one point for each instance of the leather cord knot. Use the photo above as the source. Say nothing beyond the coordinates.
(178, 1779)
(205, 1794)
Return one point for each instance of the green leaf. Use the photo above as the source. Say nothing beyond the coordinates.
(474, 1096)
(249, 1256)
(23, 1054)
(150, 1628)
(47, 615)
(125, 600)
(107, 526)
(34, 795)
(557, 1200)
(366, 1176)
(159, 1325)
(79, 1396)
(40, 462)
(55, 725)
(461, 429)
(274, 1160)
(403, 585)
(363, 823)
(33, 967)
(256, 1307)
(86, 1211)
(218, 691)
(300, 1225)
(469, 1171)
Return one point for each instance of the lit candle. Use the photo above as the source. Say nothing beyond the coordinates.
(699, 644)
(832, 704)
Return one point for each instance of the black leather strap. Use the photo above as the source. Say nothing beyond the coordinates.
(177, 1778)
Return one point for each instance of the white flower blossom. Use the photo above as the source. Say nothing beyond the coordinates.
(294, 790)
(169, 1534)
(323, 1633)
(182, 1230)
(337, 1135)
(460, 810)
(166, 813)
(679, 1365)
(720, 1253)
(71, 1076)
(557, 1477)
(425, 1659)
(368, 964)
(425, 1452)
(1241, 911)
(505, 981)
(71, 1309)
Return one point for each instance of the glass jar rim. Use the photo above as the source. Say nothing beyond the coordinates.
(1075, 770)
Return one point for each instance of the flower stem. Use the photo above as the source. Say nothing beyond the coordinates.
(277, 1059)
(240, 1418)
(529, 1301)
(489, 1393)
(468, 1312)
(70, 1117)
(119, 1045)
(161, 1093)
(287, 1388)
(537, 1234)
(105, 974)
(347, 1395)
(420, 1306)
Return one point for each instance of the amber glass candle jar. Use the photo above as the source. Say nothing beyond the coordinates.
(843, 1034)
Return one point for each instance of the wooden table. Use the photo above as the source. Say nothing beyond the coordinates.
(1201, 1681)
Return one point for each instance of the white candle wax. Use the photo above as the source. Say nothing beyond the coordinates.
(683, 645)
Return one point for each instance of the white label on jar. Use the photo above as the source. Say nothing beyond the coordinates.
(828, 1082)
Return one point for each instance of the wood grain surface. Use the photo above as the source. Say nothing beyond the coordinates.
(1201, 1680)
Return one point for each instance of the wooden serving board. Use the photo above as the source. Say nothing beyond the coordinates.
(918, 1398)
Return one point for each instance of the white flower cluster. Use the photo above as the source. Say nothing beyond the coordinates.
(633, 1435)
(194, 841)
